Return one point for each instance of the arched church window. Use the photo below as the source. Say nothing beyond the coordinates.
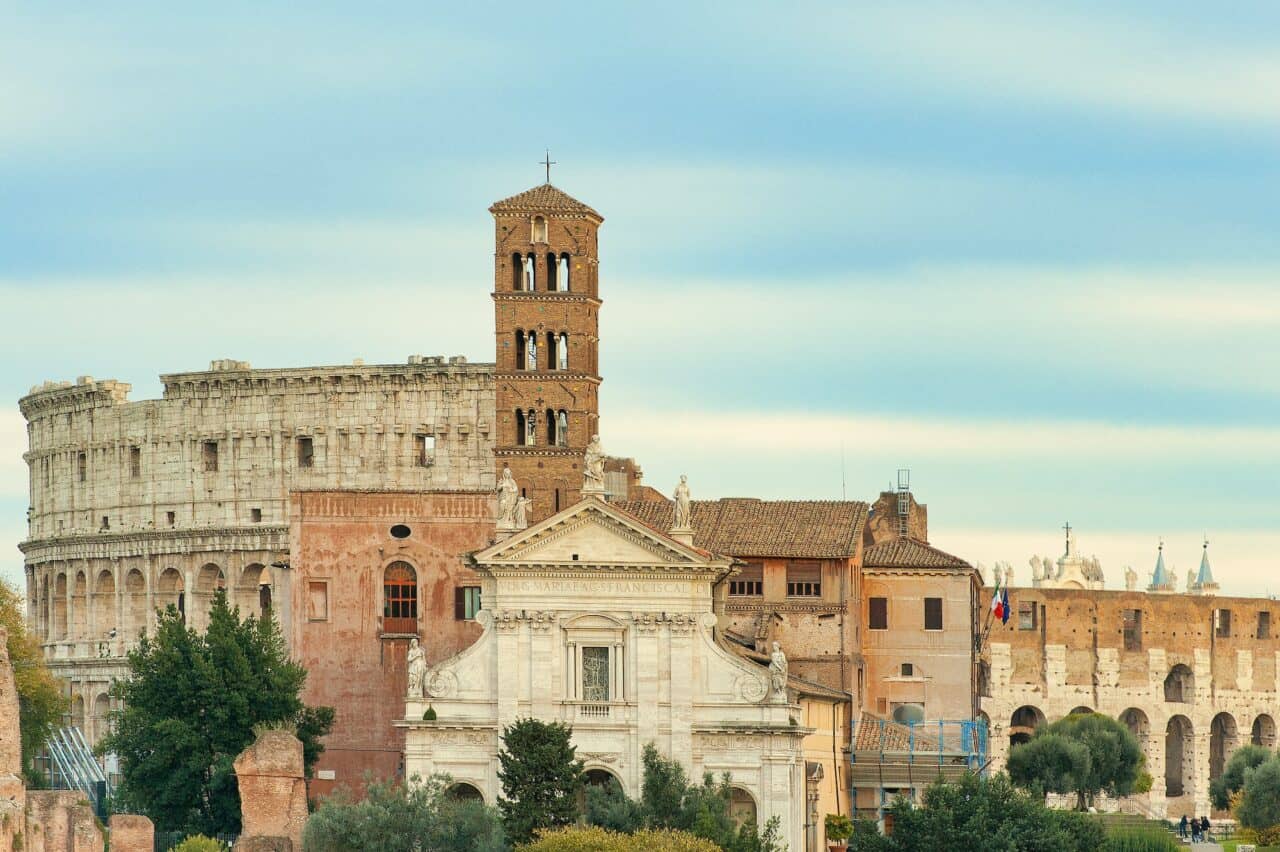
(530, 428)
(530, 279)
(517, 272)
(562, 352)
(531, 352)
(539, 229)
(400, 598)
(552, 347)
(562, 274)
(519, 350)
(520, 427)
(562, 428)
(553, 273)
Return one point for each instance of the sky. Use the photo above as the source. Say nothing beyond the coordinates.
(1026, 250)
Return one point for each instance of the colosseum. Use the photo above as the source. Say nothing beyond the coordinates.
(136, 505)
(1192, 673)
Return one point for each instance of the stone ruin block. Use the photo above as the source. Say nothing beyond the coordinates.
(131, 833)
(273, 792)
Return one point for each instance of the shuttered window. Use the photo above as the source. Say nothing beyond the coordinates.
(466, 602)
(804, 579)
(878, 611)
(748, 583)
(933, 613)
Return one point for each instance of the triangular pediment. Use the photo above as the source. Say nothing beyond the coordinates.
(594, 533)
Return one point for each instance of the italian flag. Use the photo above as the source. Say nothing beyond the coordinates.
(997, 604)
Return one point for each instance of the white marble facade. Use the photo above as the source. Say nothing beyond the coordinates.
(594, 619)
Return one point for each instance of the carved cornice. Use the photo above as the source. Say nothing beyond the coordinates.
(156, 542)
(589, 518)
(786, 606)
(677, 622)
(545, 296)
(506, 620)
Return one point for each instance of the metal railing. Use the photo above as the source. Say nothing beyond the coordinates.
(75, 769)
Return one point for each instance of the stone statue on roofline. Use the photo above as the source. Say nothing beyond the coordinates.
(1191, 580)
(683, 506)
(593, 468)
(508, 501)
(778, 673)
(523, 505)
(1130, 578)
(1036, 571)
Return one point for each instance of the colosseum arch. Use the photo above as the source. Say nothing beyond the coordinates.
(1223, 740)
(1263, 732)
(60, 606)
(1080, 711)
(79, 607)
(1138, 724)
(101, 717)
(249, 594)
(104, 603)
(208, 580)
(1023, 724)
(135, 604)
(171, 591)
(1180, 685)
(1179, 757)
(77, 711)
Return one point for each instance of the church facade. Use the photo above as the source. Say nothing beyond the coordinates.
(594, 619)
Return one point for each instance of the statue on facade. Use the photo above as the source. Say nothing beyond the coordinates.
(683, 505)
(522, 512)
(1050, 571)
(417, 664)
(508, 500)
(1036, 575)
(593, 467)
(778, 672)
(997, 574)
(1130, 578)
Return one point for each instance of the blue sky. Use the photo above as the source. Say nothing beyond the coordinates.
(1027, 250)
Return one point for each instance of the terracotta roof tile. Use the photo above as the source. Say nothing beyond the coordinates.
(543, 199)
(746, 527)
(909, 553)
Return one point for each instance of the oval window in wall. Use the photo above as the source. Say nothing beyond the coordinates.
(401, 531)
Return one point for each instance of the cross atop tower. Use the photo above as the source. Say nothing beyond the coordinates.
(1066, 528)
(548, 162)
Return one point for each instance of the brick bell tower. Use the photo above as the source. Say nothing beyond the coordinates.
(546, 315)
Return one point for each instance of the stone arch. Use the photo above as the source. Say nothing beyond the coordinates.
(1080, 711)
(77, 711)
(171, 590)
(248, 593)
(101, 716)
(60, 606)
(135, 606)
(1223, 739)
(1179, 757)
(597, 776)
(1137, 722)
(104, 603)
(43, 612)
(1263, 732)
(79, 627)
(742, 806)
(464, 791)
(1179, 686)
(1023, 724)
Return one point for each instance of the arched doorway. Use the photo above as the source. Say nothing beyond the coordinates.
(101, 717)
(1223, 739)
(1180, 685)
(1264, 731)
(1179, 757)
(742, 807)
(462, 791)
(1023, 724)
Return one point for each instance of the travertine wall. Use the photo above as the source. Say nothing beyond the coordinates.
(135, 505)
(273, 792)
(1065, 649)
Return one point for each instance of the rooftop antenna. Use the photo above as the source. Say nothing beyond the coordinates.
(904, 500)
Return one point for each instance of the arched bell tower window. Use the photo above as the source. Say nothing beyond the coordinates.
(517, 272)
(562, 352)
(539, 229)
(530, 428)
(400, 598)
(520, 433)
(519, 350)
(530, 273)
(562, 273)
(553, 273)
(552, 437)
(531, 351)
(562, 428)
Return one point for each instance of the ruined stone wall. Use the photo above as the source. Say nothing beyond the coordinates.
(1066, 649)
(135, 505)
(341, 545)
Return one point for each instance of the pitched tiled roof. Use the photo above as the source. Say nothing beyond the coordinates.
(543, 199)
(746, 527)
(877, 734)
(909, 553)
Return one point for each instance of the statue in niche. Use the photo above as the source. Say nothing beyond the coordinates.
(778, 672)
(508, 500)
(1130, 578)
(522, 512)
(683, 505)
(593, 466)
(417, 663)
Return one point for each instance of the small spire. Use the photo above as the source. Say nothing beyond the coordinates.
(1205, 578)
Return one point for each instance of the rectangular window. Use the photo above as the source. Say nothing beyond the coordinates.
(255, 516)
(804, 579)
(135, 462)
(879, 612)
(210, 453)
(908, 670)
(424, 447)
(749, 583)
(317, 601)
(1264, 625)
(595, 674)
(1222, 623)
(1027, 616)
(82, 466)
(306, 452)
(466, 602)
(933, 613)
(106, 522)
(171, 518)
(1131, 620)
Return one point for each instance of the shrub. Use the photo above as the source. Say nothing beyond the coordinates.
(838, 826)
(1260, 805)
(595, 839)
(1135, 839)
(199, 843)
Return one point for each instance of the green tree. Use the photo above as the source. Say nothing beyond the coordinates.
(609, 807)
(191, 702)
(989, 814)
(1242, 760)
(1114, 766)
(541, 777)
(395, 817)
(1259, 806)
(597, 839)
(41, 704)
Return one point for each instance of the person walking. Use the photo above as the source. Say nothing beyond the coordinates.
(1195, 829)
(1182, 827)
(1204, 830)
